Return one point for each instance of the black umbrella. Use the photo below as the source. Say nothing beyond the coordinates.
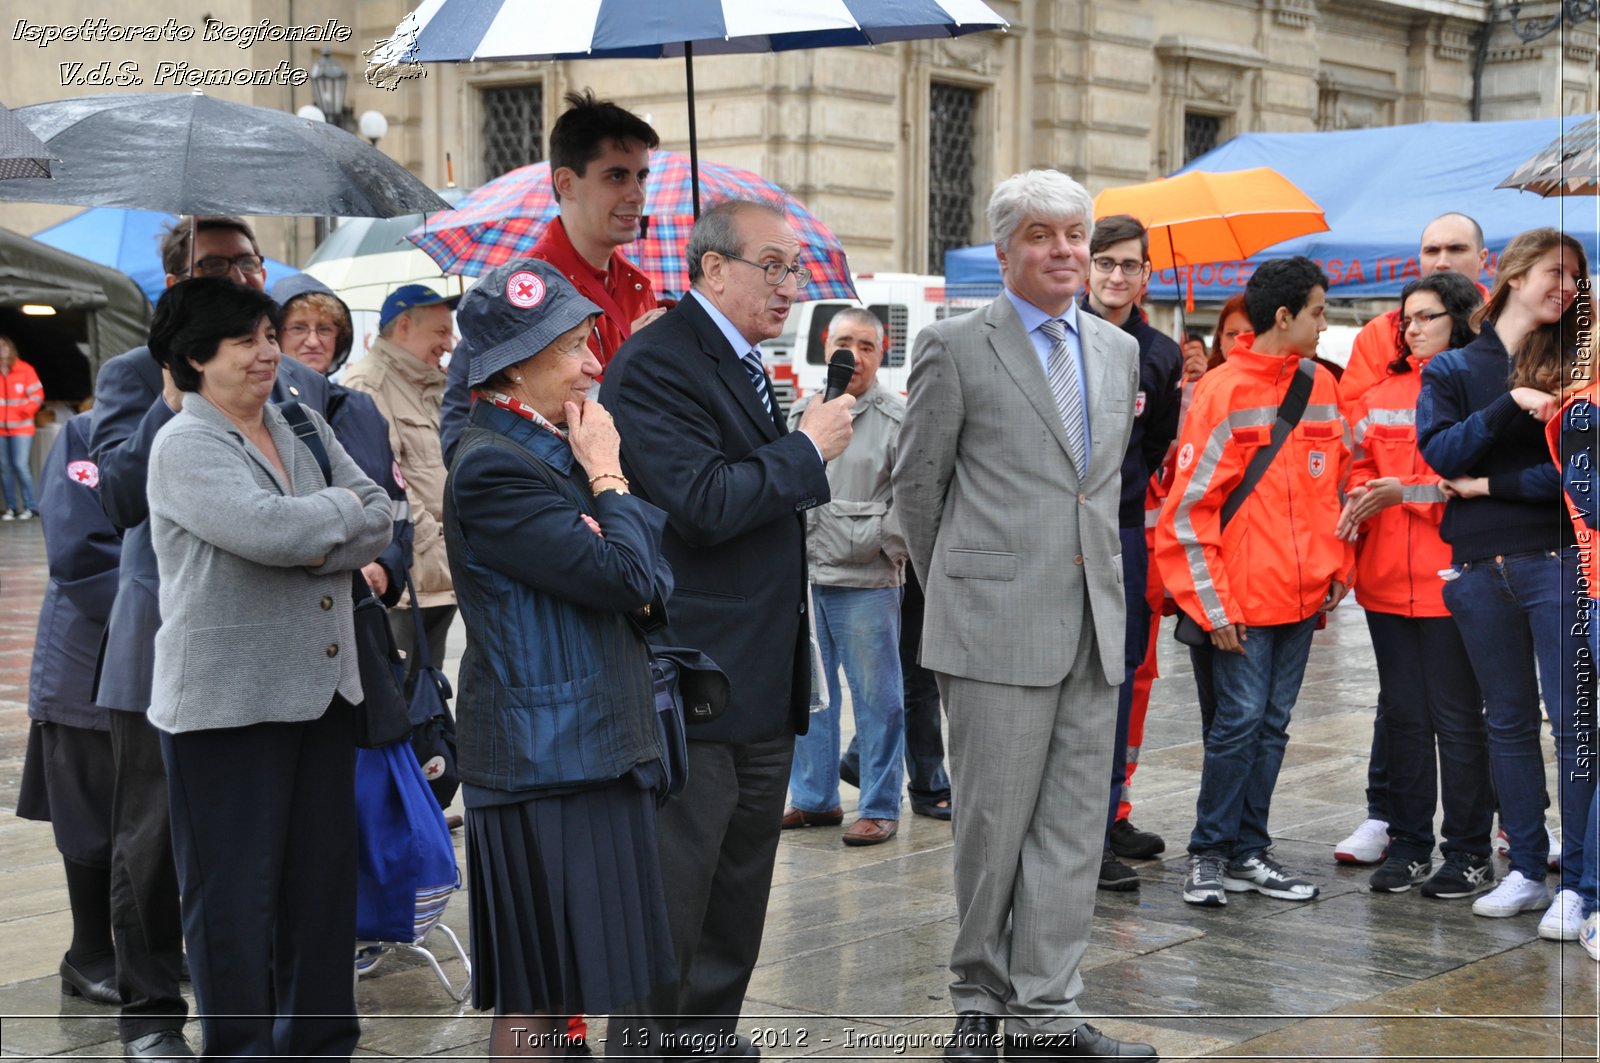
(187, 153)
(21, 153)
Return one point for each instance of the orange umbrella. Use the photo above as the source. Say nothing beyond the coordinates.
(1200, 217)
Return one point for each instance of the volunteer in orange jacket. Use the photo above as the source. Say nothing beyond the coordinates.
(1258, 585)
(1431, 707)
(20, 398)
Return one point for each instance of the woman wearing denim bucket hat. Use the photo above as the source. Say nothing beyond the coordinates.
(558, 751)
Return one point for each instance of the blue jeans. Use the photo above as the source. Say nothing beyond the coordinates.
(1520, 619)
(1255, 693)
(858, 629)
(14, 466)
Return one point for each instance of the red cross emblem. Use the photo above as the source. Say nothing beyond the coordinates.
(1316, 462)
(524, 289)
(86, 473)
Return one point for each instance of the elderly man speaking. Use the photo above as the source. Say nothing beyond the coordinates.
(1007, 485)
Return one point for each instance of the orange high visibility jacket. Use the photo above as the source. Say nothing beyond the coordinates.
(1400, 554)
(1580, 479)
(1275, 561)
(20, 398)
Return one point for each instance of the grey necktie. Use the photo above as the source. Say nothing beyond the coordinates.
(758, 377)
(1068, 392)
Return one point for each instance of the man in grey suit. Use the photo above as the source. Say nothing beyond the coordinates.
(1008, 484)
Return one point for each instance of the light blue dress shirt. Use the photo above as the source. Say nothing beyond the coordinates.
(1032, 317)
(736, 340)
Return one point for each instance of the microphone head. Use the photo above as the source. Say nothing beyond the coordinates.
(841, 367)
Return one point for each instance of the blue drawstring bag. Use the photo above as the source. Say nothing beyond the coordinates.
(406, 861)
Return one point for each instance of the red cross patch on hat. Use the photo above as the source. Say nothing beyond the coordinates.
(524, 289)
(86, 473)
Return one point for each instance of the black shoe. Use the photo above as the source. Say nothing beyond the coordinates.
(161, 1045)
(976, 1037)
(74, 983)
(940, 809)
(1461, 876)
(1398, 874)
(1083, 1043)
(1115, 875)
(849, 775)
(1131, 843)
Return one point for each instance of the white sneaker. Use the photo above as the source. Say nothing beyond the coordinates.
(24, 514)
(1553, 861)
(1366, 844)
(1501, 844)
(8, 515)
(1589, 936)
(1564, 919)
(1514, 894)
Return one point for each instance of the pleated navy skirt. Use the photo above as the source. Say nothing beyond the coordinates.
(565, 905)
(66, 781)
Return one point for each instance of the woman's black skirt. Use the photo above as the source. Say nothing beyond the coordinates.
(66, 780)
(567, 912)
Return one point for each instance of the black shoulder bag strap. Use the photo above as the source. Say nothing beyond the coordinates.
(1289, 414)
(306, 432)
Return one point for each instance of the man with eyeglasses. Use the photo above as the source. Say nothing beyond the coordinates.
(134, 398)
(1119, 270)
(702, 439)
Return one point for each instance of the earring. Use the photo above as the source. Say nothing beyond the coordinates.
(516, 380)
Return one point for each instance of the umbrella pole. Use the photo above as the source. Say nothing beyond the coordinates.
(694, 149)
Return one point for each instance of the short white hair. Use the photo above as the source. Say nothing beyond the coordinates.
(863, 315)
(1045, 195)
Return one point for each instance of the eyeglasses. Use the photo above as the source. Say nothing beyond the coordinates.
(1130, 267)
(220, 265)
(1421, 320)
(777, 271)
(326, 333)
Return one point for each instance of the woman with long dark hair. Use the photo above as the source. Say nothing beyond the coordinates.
(1430, 710)
(1513, 586)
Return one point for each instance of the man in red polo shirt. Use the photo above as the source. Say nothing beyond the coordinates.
(599, 159)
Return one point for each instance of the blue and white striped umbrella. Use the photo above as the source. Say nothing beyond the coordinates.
(465, 30)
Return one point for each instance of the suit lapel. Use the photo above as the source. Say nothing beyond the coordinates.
(730, 370)
(1097, 366)
(1014, 348)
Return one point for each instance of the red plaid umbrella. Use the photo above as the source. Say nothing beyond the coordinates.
(503, 220)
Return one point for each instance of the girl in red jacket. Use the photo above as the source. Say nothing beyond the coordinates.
(20, 398)
(1430, 699)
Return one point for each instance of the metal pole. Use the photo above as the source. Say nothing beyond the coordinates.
(694, 149)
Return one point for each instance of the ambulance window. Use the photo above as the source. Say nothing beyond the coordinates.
(820, 316)
(899, 321)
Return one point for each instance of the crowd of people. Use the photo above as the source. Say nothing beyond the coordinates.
(602, 477)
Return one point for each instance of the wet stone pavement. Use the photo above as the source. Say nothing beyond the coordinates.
(853, 964)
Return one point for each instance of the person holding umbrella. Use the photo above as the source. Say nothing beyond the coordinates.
(599, 159)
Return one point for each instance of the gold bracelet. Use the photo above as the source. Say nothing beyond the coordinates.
(607, 476)
(619, 490)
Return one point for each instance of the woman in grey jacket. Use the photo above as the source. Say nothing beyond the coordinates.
(255, 676)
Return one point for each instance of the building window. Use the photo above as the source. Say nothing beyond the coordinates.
(1200, 134)
(952, 137)
(513, 128)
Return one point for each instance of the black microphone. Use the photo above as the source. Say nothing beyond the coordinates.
(840, 369)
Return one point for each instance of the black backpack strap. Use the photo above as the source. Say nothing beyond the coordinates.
(306, 432)
(1289, 414)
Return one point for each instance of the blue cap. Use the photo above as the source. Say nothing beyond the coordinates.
(409, 297)
(514, 312)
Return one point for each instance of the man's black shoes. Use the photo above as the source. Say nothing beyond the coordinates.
(1131, 843)
(976, 1038)
(1085, 1042)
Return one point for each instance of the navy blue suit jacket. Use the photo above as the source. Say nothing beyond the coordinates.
(128, 412)
(735, 485)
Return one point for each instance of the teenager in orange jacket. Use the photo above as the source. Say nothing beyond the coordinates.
(1431, 709)
(20, 398)
(1259, 585)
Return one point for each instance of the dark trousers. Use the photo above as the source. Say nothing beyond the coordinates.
(1378, 761)
(145, 920)
(1205, 686)
(1433, 701)
(718, 841)
(436, 621)
(264, 833)
(1135, 580)
(926, 780)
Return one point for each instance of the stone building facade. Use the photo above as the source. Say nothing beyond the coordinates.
(895, 147)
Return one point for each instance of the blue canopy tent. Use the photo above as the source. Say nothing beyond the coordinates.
(128, 241)
(1378, 187)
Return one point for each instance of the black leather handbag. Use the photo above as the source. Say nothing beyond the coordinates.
(383, 716)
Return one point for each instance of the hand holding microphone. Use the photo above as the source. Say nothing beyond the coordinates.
(828, 422)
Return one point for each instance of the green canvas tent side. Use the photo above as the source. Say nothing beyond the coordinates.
(99, 313)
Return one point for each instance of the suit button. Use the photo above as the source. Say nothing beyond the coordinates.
(1077, 559)
(333, 649)
(1083, 500)
(327, 602)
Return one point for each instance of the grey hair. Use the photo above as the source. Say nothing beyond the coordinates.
(718, 230)
(1046, 195)
(861, 313)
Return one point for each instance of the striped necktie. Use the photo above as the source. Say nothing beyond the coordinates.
(1068, 392)
(758, 377)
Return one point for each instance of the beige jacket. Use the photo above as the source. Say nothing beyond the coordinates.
(408, 392)
(855, 540)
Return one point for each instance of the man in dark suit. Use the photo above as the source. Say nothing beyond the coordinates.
(134, 398)
(701, 438)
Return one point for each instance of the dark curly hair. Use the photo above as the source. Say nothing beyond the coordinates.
(1285, 282)
(193, 317)
(1460, 297)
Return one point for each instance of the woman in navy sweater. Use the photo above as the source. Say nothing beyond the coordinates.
(1513, 586)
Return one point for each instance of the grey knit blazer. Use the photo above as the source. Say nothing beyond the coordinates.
(251, 632)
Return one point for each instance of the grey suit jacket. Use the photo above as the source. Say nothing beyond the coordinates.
(1005, 536)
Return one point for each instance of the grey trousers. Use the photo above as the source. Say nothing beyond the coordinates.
(1028, 767)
